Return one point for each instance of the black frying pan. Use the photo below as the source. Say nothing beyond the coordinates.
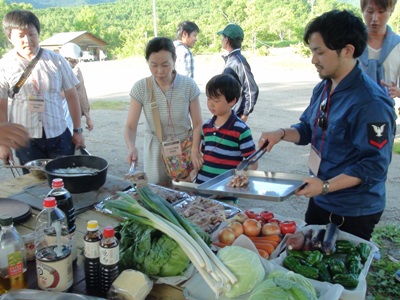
(78, 183)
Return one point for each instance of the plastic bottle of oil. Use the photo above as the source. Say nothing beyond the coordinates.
(92, 240)
(13, 274)
(109, 257)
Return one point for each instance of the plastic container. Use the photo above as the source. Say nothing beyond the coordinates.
(360, 291)
(66, 204)
(109, 258)
(53, 248)
(28, 294)
(92, 240)
(13, 268)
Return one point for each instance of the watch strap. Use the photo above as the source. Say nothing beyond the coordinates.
(325, 187)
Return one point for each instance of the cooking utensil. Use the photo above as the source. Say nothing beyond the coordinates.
(246, 163)
(19, 211)
(262, 185)
(78, 183)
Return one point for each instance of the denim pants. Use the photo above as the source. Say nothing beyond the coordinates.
(43, 147)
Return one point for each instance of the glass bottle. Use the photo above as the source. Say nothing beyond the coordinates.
(65, 203)
(13, 267)
(92, 240)
(53, 248)
(109, 257)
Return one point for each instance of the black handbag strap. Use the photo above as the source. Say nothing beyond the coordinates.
(26, 74)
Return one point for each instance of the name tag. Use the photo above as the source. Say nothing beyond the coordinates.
(36, 103)
(314, 160)
(172, 148)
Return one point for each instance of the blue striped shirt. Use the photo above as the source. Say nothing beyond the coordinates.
(225, 147)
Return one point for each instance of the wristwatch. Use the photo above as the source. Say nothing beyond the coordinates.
(325, 187)
(78, 130)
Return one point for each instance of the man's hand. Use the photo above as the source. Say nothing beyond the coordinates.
(13, 135)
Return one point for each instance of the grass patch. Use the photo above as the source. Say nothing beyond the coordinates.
(380, 278)
(396, 146)
(109, 105)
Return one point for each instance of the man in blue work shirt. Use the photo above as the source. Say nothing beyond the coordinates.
(350, 124)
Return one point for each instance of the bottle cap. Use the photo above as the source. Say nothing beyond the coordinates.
(6, 220)
(108, 231)
(92, 225)
(57, 183)
(49, 202)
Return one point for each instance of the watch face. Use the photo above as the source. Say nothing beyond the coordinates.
(78, 130)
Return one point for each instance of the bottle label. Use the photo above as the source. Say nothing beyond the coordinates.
(54, 275)
(92, 249)
(15, 265)
(109, 256)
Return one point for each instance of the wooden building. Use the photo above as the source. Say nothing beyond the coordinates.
(84, 39)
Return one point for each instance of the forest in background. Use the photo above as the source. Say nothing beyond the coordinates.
(128, 25)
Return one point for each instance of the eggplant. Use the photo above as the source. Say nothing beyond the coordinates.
(307, 240)
(330, 237)
(317, 239)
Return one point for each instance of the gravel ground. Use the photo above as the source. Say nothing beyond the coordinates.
(285, 81)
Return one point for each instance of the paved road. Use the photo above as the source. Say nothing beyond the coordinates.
(285, 87)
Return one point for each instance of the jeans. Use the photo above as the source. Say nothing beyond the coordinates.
(43, 147)
(361, 226)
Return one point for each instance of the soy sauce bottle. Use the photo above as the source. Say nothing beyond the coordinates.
(109, 257)
(65, 203)
(92, 240)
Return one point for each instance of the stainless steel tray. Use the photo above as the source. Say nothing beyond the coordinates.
(263, 185)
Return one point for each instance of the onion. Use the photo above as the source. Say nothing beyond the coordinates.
(226, 235)
(270, 229)
(252, 227)
(240, 217)
(236, 227)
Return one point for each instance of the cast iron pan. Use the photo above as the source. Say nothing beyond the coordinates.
(19, 211)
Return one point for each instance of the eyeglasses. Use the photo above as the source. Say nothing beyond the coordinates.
(322, 120)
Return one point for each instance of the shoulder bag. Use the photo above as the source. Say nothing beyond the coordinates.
(27, 72)
(178, 167)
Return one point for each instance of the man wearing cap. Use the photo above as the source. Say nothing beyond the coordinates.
(237, 65)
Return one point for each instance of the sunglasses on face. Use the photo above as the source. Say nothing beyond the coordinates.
(322, 120)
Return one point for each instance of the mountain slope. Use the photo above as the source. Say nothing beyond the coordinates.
(37, 4)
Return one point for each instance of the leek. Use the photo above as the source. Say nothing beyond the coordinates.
(209, 266)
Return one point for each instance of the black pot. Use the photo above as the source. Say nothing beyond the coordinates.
(78, 183)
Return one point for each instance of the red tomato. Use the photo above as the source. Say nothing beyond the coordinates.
(287, 227)
(274, 220)
(267, 215)
(251, 214)
(260, 219)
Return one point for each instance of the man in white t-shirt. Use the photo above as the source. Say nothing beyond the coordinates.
(381, 57)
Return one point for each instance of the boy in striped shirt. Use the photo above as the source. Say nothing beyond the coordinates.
(226, 139)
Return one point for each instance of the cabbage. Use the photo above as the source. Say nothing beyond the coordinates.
(245, 265)
(284, 285)
(267, 290)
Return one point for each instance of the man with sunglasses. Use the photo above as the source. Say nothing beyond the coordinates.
(350, 125)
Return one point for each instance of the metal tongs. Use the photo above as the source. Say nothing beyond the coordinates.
(246, 163)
